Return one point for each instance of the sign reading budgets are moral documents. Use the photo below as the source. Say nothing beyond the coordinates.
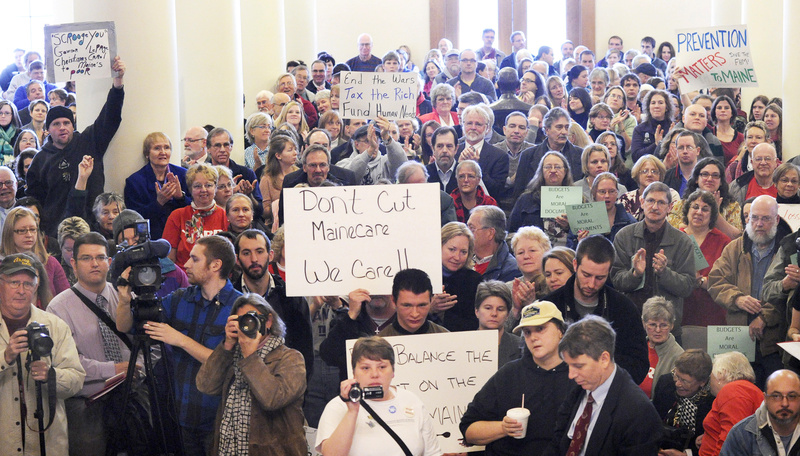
(81, 50)
(715, 57)
(444, 371)
(369, 95)
(342, 238)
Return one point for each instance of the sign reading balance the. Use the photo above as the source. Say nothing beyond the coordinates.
(369, 95)
(342, 238)
(80, 50)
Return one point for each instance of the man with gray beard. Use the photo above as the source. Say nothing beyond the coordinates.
(737, 277)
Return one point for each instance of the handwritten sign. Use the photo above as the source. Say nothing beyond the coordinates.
(790, 213)
(715, 57)
(556, 199)
(342, 238)
(591, 217)
(81, 50)
(700, 262)
(445, 371)
(368, 95)
(724, 339)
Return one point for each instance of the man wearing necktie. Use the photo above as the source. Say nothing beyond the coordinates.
(607, 413)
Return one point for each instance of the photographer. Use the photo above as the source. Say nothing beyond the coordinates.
(18, 283)
(261, 382)
(193, 324)
(346, 429)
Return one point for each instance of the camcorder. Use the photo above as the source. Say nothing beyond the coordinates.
(145, 279)
(252, 323)
(368, 392)
(39, 341)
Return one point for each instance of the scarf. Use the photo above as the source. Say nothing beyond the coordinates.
(194, 227)
(686, 414)
(6, 147)
(234, 430)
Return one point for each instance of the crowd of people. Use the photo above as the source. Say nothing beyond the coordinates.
(590, 326)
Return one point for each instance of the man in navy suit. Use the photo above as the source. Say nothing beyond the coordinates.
(608, 413)
(493, 161)
(443, 169)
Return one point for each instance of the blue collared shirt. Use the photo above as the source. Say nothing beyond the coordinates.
(761, 260)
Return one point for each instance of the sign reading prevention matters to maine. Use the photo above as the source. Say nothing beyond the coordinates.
(81, 50)
(444, 371)
(715, 57)
(342, 238)
(369, 95)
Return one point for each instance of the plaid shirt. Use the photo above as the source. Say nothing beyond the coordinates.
(481, 199)
(204, 321)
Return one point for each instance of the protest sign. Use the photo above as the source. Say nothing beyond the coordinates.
(591, 217)
(790, 213)
(445, 371)
(556, 199)
(715, 57)
(342, 238)
(368, 95)
(81, 50)
(700, 262)
(723, 339)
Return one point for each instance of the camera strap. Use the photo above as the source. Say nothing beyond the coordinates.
(103, 316)
(51, 398)
(385, 426)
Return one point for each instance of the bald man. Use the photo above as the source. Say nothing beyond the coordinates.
(364, 61)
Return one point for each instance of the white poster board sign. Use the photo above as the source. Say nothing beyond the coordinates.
(445, 371)
(715, 57)
(342, 238)
(80, 50)
(368, 95)
(790, 213)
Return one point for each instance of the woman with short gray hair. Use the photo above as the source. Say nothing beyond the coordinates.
(469, 193)
(658, 317)
(442, 97)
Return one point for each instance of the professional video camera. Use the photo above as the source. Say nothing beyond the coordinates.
(145, 277)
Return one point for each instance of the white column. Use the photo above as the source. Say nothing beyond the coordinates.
(301, 29)
(726, 12)
(263, 47)
(764, 20)
(151, 84)
(791, 92)
(210, 67)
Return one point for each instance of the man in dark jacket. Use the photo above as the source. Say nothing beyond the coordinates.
(588, 292)
(54, 169)
(493, 260)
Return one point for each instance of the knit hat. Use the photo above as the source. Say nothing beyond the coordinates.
(125, 219)
(646, 68)
(58, 112)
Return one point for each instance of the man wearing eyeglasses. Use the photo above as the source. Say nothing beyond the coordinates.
(758, 181)
(737, 277)
(18, 284)
(220, 144)
(653, 258)
(194, 147)
(468, 80)
(690, 148)
(8, 192)
(775, 426)
(103, 354)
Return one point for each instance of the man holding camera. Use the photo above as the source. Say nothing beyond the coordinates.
(59, 371)
(103, 354)
(193, 324)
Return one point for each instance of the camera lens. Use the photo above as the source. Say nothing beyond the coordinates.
(355, 393)
(249, 325)
(147, 276)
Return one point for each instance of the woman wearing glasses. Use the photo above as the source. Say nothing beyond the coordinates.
(202, 218)
(21, 235)
(647, 170)
(658, 317)
(159, 187)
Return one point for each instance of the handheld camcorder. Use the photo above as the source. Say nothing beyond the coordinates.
(367, 392)
(39, 341)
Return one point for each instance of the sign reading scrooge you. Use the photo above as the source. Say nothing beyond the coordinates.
(715, 57)
(81, 50)
(444, 371)
(342, 238)
(369, 95)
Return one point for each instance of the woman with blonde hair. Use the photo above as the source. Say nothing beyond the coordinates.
(455, 307)
(281, 160)
(292, 114)
(528, 245)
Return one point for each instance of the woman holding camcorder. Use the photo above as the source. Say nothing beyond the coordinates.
(370, 415)
(261, 382)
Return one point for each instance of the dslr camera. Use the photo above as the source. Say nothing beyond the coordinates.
(39, 341)
(368, 392)
(252, 323)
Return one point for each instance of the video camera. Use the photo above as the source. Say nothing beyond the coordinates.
(145, 277)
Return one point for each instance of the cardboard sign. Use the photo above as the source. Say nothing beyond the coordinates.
(445, 371)
(723, 339)
(591, 217)
(369, 95)
(342, 238)
(790, 213)
(715, 57)
(81, 50)
(556, 199)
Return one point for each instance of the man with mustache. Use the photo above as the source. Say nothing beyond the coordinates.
(774, 423)
(253, 255)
